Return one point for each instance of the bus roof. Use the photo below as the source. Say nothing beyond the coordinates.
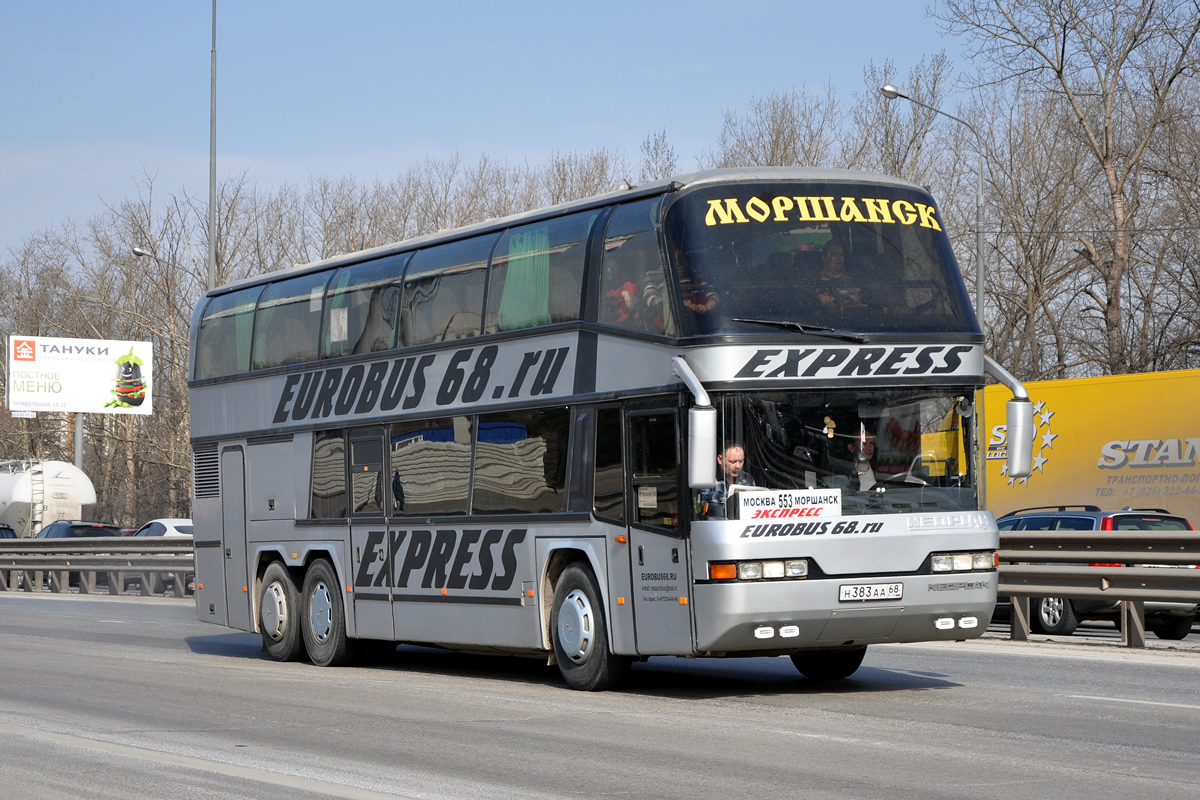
(674, 184)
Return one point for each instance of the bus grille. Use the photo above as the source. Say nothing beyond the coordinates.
(206, 472)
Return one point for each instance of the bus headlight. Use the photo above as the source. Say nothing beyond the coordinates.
(759, 570)
(962, 562)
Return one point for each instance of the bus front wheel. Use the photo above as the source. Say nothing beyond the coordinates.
(580, 635)
(278, 613)
(828, 665)
(323, 617)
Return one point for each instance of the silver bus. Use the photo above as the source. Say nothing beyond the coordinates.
(729, 414)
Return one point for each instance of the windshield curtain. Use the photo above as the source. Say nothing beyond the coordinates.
(891, 451)
(848, 256)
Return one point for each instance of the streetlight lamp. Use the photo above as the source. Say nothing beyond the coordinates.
(891, 93)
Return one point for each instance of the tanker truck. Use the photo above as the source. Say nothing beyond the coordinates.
(33, 493)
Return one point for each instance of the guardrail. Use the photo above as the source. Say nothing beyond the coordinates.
(160, 565)
(1054, 564)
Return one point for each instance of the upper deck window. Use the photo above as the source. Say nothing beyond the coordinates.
(223, 340)
(287, 323)
(363, 307)
(859, 257)
(633, 291)
(537, 273)
(443, 292)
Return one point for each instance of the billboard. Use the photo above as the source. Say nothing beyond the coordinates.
(95, 376)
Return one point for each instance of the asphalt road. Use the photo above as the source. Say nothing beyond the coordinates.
(132, 697)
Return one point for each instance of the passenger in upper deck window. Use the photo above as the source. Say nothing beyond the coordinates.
(834, 287)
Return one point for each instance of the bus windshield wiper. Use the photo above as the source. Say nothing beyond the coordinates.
(814, 330)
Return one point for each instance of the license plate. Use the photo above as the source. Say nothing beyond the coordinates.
(854, 592)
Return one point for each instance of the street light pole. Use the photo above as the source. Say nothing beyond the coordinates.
(891, 93)
(212, 161)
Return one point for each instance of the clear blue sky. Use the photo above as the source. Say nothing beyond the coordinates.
(96, 94)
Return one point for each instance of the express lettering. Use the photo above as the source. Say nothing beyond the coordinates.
(475, 559)
(854, 362)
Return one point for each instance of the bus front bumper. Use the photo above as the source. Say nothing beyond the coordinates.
(778, 616)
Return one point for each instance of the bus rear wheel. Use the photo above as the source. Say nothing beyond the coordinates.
(323, 617)
(579, 633)
(278, 614)
(828, 665)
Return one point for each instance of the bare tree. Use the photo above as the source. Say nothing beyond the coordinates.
(1117, 67)
(659, 160)
(797, 128)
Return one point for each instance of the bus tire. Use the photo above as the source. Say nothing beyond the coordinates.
(1054, 616)
(828, 665)
(579, 633)
(323, 617)
(279, 614)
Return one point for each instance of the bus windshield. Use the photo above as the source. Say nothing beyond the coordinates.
(889, 451)
(840, 256)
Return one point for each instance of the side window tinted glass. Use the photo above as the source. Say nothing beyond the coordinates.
(654, 460)
(443, 291)
(609, 493)
(431, 466)
(537, 273)
(328, 476)
(632, 284)
(366, 472)
(1036, 524)
(363, 307)
(288, 321)
(223, 341)
(521, 462)
(1074, 524)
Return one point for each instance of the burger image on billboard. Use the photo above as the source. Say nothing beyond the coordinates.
(131, 386)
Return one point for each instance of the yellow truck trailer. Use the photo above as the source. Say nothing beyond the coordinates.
(1125, 440)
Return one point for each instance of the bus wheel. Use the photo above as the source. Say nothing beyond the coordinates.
(278, 614)
(828, 665)
(580, 635)
(323, 618)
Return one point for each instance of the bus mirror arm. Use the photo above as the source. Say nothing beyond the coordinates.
(1019, 421)
(702, 430)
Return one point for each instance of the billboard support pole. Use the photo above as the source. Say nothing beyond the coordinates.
(79, 440)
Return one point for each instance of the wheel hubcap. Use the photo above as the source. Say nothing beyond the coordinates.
(321, 613)
(275, 611)
(576, 626)
(1052, 610)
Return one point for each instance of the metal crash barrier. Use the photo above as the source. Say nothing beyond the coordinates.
(1054, 564)
(159, 565)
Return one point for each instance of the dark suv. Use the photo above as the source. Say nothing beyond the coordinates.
(63, 529)
(1059, 615)
(7, 532)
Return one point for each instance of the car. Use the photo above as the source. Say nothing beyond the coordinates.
(63, 529)
(1061, 615)
(7, 532)
(170, 528)
(166, 527)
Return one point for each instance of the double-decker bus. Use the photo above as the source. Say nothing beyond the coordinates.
(728, 414)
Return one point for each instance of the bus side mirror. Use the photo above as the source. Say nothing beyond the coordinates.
(1021, 430)
(702, 448)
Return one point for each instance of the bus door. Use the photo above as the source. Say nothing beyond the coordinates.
(662, 618)
(233, 538)
(370, 555)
